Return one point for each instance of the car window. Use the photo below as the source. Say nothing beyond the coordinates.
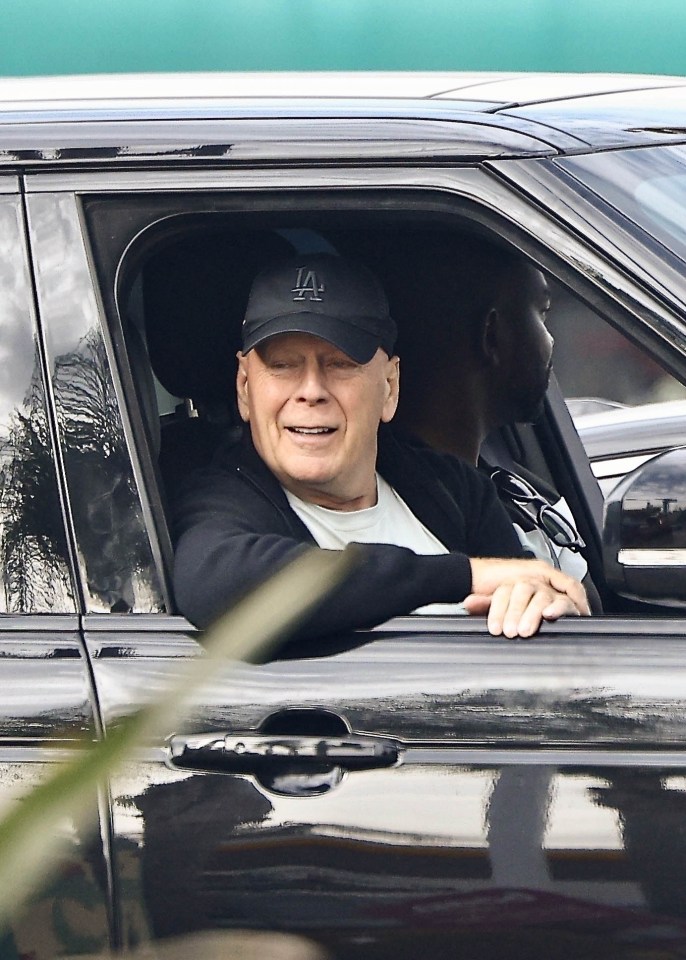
(648, 186)
(174, 274)
(117, 567)
(625, 405)
(595, 361)
(33, 548)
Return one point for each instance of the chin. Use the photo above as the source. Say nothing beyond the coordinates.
(529, 406)
(312, 478)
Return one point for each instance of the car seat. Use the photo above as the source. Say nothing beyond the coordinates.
(194, 293)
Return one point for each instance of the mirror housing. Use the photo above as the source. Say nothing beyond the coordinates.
(644, 531)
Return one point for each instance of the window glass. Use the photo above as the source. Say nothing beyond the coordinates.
(648, 186)
(117, 563)
(625, 406)
(593, 360)
(33, 548)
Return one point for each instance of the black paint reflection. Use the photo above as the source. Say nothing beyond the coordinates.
(653, 819)
(187, 825)
(217, 851)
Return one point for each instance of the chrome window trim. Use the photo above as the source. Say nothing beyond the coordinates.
(652, 558)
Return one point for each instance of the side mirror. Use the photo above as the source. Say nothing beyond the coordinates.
(644, 531)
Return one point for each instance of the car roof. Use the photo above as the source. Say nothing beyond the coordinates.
(487, 88)
(509, 114)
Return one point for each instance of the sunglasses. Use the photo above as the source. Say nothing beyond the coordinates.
(532, 505)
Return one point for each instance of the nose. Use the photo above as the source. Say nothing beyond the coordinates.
(312, 387)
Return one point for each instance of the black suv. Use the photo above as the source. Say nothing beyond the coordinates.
(535, 805)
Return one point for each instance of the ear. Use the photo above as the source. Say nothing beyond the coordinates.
(392, 388)
(242, 387)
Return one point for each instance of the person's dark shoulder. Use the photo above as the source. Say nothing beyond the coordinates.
(447, 467)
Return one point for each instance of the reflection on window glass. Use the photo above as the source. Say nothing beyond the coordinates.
(104, 502)
(648, 186)
(33, 549)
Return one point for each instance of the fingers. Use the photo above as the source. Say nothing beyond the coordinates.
(520, 595)
(563, 583)
(517, 610)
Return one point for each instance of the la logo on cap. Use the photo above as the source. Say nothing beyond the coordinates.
(307, 286)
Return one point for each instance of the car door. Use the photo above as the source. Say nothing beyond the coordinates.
(416, 786)
(47, 696)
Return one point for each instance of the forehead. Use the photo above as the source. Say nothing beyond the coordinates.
(535, 284)
(298, 343)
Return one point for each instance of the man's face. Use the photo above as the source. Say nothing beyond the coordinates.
(314, 414)
(528, 356)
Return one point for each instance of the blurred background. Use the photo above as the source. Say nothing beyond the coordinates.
(86, 36)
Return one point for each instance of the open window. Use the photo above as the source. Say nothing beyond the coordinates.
(175, 274)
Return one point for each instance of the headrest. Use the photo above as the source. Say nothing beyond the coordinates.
(195, 292)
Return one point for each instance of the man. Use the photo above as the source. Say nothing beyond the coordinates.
(317, 385)
(492, 361)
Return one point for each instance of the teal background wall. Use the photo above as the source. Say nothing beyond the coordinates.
(84, 36)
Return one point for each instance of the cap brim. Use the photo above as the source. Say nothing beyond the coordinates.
(359, 345)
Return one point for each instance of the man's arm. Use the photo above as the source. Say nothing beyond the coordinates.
(230, 538)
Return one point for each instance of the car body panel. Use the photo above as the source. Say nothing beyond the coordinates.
(609, 117)
(499, 87)
(649, 427)
(479, 805)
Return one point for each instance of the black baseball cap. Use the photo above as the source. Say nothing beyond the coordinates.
(330, 297)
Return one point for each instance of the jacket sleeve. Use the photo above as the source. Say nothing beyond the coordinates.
(229, 539)
(485, 529)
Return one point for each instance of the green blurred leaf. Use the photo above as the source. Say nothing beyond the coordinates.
(32, 834)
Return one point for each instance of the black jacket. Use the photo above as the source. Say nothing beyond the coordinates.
(234, 527)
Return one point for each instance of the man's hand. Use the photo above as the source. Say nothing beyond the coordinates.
(519, 594)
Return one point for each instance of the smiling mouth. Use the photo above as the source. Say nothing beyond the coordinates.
(311, 431)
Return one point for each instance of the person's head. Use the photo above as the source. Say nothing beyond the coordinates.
(317, 374)
(473, 323)
(514, 341)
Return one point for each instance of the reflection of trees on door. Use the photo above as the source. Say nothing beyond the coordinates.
(33, 548)
(110, 532)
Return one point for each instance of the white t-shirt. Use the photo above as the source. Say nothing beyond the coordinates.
(390, 520)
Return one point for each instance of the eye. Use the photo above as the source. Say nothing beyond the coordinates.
(342, 363)
(280, 363)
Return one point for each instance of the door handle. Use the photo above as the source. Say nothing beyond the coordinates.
(255, 753)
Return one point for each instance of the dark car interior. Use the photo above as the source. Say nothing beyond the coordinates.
(188, 307)
(180, 287)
